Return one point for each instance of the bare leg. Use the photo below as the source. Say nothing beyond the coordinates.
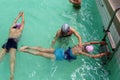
(12, 62)
(40, 49)
(2, 53)
(44, 54)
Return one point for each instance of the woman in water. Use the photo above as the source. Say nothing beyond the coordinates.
(66, 31)
(12, 41)
(61, 54)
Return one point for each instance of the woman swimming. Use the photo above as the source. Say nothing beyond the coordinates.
(61, 54)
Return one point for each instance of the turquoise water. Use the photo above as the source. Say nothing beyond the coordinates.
(42, 19)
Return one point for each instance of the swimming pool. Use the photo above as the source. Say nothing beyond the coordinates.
(42, 19)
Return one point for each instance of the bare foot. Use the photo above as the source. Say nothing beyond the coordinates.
(11, 78)
(23, 48)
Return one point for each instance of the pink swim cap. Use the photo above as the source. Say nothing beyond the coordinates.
(18, 25)
(89, 48)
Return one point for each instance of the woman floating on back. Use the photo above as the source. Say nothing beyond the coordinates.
(61, 54)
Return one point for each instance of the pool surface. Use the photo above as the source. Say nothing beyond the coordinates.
(42, 20)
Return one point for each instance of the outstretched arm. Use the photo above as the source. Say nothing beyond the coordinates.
(100, 55)
(55, 38)
(16, 19)
(95, 42)
(78, 36)
(96, 55)
(23, 22)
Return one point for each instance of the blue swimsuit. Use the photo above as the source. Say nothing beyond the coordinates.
(11, 43)
(64, 55)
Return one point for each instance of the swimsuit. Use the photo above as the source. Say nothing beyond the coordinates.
(77, 6)
(69, 55)
(59, 54)
(11, 43)
(64, 55)
(67, 35)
